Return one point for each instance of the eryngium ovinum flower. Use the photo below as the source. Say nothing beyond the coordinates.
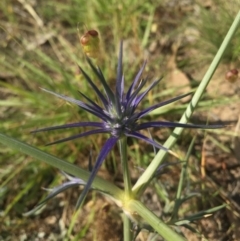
(118, 114)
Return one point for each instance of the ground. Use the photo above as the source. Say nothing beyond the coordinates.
(31, 29)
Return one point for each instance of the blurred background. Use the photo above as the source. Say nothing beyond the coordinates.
(39, 47)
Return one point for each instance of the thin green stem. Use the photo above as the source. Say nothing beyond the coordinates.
(163, 229)
(178, 200)
(122, 144)
(127, 224)
(127, 228)
(146, 177)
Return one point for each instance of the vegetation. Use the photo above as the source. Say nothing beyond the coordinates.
(40, 48)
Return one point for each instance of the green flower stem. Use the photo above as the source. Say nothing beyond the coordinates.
(178, 200)
(163, 229)
(122, 144)
(127, 225)
(146, 177)
(98, 182)
(127, 228)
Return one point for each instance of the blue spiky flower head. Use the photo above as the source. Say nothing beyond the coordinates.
(118, 113)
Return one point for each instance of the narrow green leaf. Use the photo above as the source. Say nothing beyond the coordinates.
(98, 182)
